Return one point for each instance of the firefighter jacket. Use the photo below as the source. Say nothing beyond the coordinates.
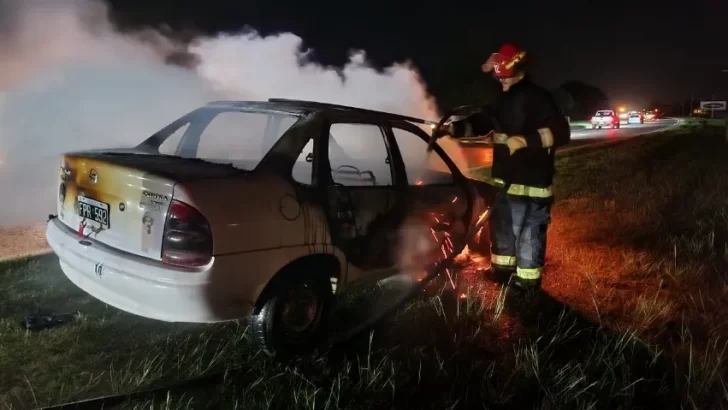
(527, 127)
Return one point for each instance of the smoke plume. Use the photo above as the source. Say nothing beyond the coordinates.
(69, 80)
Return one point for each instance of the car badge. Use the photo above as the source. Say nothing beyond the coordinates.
(93, 176)
(148, 221)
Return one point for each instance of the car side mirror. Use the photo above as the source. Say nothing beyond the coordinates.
(309, 157)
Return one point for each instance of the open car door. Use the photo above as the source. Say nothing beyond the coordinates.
(364, 200)
(439, 202)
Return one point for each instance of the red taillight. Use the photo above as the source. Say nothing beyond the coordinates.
(187, 239)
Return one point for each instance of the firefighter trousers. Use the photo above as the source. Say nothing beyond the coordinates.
(518, 228)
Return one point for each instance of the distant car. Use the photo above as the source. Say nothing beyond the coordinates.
(605, 118)
(649, 115)
(255, 208)
(635, 117)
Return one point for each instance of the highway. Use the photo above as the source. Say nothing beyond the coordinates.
(589, 137)
(478, 156)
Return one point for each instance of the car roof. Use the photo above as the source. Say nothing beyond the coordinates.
(298, 107)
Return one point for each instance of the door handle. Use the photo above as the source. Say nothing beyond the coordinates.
(309, 157)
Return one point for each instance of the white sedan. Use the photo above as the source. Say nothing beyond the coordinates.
(256, 208)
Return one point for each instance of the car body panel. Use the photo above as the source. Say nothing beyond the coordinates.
(136, 201)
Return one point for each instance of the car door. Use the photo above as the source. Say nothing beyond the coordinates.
(363, 200)
(440, 206)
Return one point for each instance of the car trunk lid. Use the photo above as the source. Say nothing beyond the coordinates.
(121, 199)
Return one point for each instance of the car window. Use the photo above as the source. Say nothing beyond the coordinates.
(303, 170)
(169, 146)
(241, 138)
(358, 155)
(422, 167)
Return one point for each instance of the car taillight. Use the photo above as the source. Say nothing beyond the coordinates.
(187, 239)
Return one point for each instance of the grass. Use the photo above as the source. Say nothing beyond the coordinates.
(633, 316)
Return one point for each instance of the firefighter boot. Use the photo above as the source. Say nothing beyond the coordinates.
(526, 285)
(499, 274)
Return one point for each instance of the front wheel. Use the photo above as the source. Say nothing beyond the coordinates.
(293, 319)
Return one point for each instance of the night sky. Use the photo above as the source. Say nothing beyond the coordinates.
(636, 52)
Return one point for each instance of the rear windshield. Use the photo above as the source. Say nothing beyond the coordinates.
(225, 135)
(604, 113)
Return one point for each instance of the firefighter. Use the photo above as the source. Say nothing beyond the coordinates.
(528, 127)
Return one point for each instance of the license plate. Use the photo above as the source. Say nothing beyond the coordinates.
(94, 210)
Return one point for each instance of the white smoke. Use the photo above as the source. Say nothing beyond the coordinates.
(70, 81)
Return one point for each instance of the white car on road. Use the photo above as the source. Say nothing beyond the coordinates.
(255, 208)
(605, 118)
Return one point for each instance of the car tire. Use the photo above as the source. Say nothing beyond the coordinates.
(275, 333)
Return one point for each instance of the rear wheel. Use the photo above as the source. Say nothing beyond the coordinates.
(294, 316)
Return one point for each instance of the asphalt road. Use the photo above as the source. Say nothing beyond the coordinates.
(480, 156)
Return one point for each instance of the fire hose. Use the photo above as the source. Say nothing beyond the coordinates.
(442, 265)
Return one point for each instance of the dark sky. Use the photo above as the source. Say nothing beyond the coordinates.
(636, 52)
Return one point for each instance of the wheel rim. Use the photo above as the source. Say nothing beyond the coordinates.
(300, 311)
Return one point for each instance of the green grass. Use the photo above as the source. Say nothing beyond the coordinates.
(634, 316)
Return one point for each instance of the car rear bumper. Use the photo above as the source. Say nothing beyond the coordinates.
(134, 284)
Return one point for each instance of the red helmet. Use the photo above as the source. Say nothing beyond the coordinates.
(507, 62)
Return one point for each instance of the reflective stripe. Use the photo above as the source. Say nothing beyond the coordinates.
(515, 60)
(500, 138)
(524, 190)
(530, 191)
(529, 273)
(502, 260)
(547, 137)
(516, 142)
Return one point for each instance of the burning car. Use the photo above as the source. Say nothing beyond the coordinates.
(255, 209)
